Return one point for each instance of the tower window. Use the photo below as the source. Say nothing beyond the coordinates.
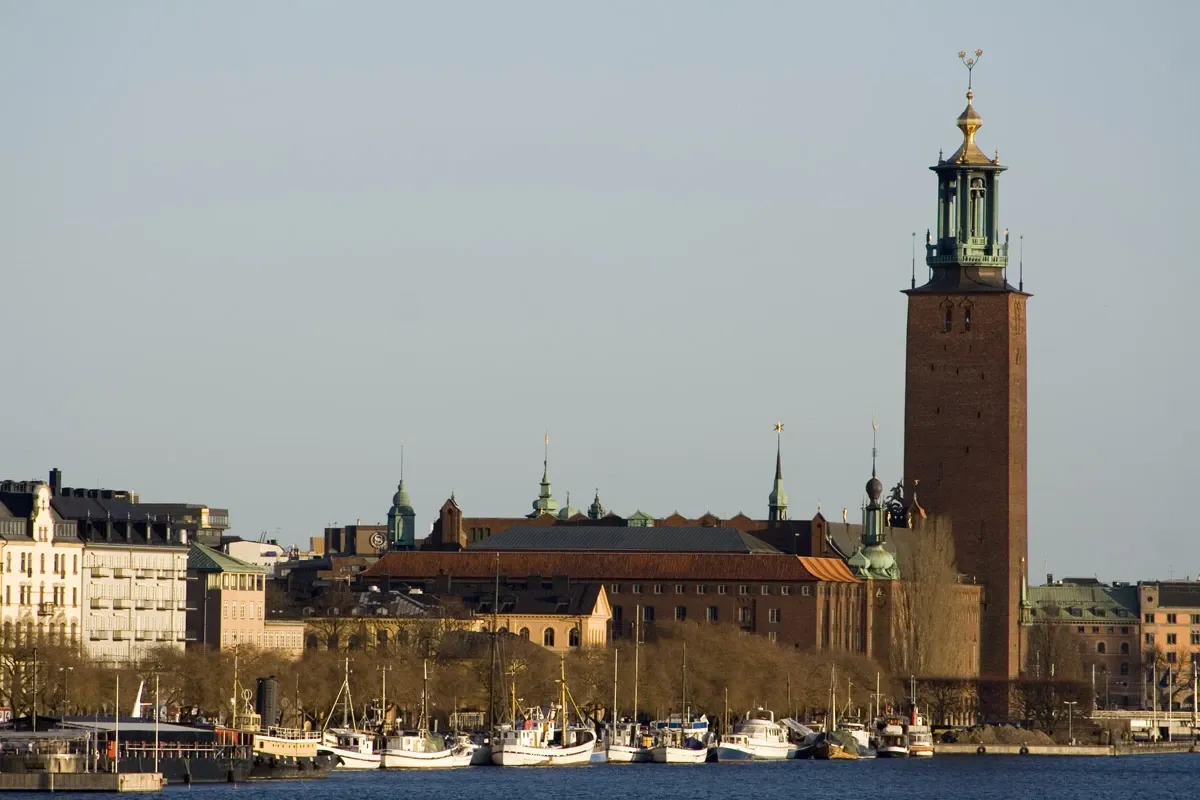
(978, 194)
(967, 319)
(949, 319)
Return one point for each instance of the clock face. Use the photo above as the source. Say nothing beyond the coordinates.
(377, 539)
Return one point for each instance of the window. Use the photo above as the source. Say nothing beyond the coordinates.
(1171, 619)
(1150, 618)
(766, 590)
(805, 591)
(524, 634)
(22, 562)
(548, 637)
(772, 636)
(1170, 638)
(648, 614)
(8, 595)
(679, 588)
(774, 616)
(1125, 629)
(1124, 648)
(1196, 619)
(1124, 667)
(658, 589)
(1171, 657)
(967, 319)
(1100, 648)
(949, 320)
(712, 616)
(785, 590)
(74, 565)
(680, 613)
(42, 564)
(745, 616)
(700, 588)
(573, 638)
(721, 588)
(55, 563)
(1109, 629)
(1095, 629)
(1149, 638)
(637, 588)
(1195, 638)
(615, 588)
(1079, 629)
(743, 589)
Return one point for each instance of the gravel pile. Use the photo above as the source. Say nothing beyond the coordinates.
(1003, 734)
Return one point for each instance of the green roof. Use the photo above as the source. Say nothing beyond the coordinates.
(1093, 604)
(205, 559)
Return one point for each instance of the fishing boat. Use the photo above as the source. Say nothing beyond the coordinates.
(861, 736)
(891, 737)
(350, 748)
(628, 743)
(920, 737)
(422, 749)
(756, 737)
(545, 739)
(835, 746)
(679, 739)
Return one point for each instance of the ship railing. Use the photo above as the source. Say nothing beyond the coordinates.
(292, 733)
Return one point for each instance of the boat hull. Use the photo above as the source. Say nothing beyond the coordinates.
(678, 755)
(517, 755)
(920, 753)
(349, 759)
(828, 751)
(267, 767)
(624, 754)
(727, 753)
(191, 770)
(891, 752)
(770, 751)
(440, 759)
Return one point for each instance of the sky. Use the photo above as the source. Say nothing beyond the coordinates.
(251, 248)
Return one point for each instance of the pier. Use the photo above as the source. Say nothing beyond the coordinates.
(1062, 749)
(135, 782)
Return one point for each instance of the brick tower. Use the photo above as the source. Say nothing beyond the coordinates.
(964, 394)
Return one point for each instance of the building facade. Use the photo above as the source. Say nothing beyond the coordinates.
(1170, 647)
(41, 571)
(965, 390)
(227, 606)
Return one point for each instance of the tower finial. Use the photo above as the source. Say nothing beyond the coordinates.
(1021, 266)
(914, 258)
(874, 449)
(402, 462)
(969, 63)
(778, 451)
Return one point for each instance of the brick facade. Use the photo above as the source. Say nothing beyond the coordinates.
(965, 445)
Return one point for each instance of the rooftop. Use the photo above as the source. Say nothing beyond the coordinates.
(205, 559)
(605, 538)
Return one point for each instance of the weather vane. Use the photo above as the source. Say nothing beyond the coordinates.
(779, 427)
(969, 63)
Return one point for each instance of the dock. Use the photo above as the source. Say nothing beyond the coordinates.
(1062, 750)
(133, 782)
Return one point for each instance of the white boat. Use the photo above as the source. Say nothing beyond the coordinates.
(545, 739)
(629, 744)
(680, 739)
(423, 750)
(352, 749)
(920, 737)
(891, 738)
(861, 735)
(759, 735)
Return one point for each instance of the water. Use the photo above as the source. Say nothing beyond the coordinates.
(1173, 776)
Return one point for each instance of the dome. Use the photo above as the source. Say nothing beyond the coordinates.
(881, 560)
(858, 562)
(568, 511)
(874, 489)
(401, 498)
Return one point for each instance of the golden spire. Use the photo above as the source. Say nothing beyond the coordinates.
(969, 120)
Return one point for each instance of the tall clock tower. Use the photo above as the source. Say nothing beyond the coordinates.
(965, 396)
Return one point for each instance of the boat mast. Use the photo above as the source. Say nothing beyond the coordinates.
(562, 695)
(347, 710)
(613, 723)
(637, 642)
(686, 711)
(424, 726)
(725, 727)
(492, 672)
(233, 719)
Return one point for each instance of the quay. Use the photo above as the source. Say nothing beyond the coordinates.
(1062, 750)
(133, 782)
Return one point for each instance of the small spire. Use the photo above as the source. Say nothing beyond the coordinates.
(1020, 264)
(402, 462)
(914, 257)
(874, 449)
(778, 451)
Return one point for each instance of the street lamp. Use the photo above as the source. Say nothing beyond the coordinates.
(1070, 704)
(66, 673)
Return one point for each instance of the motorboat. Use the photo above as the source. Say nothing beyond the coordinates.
(679, 739)
(351, 748)
(861, 735)
(759, 735)
(545, 739)
(629, 744)
(920, 737)
(420, 749)
(891, 737)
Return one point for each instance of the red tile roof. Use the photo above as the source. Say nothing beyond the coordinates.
(612, 566)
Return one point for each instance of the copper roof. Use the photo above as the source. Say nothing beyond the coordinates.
(612, 566)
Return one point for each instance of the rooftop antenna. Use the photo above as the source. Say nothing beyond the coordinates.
(914, 260)
(1021, 266)
(402, 461)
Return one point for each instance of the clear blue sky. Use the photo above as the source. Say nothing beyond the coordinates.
(249, 248)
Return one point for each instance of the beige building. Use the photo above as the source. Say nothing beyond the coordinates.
(227, 606)
(1170, 640)
(41, 582)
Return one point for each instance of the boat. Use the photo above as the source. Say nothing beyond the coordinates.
(349, 747)
(680, 740)
(544, 739)
(422, 749)
(804, 737)
(835, 746)
(920, 737)
(891, 737)
(286, 754)
(628, 743)
(759, 735)
(861, 735)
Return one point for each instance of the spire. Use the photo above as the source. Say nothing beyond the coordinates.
(596, 510)
(545, 503)
(777, 501)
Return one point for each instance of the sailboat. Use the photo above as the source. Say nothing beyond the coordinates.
(833, 744)
(421, 749)
(679, 739)
(627, 743)
(353, 748)
(545, 740)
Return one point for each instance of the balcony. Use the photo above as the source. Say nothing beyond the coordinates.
(165, 574)
(122, 602)
(98, 636)
(182, 605)
(144, 604)
(122, 572)
(143, 636)
(101, 572)
(47, 609)
(162, 605)
(121, 636)
(100, 602)
(164, 636)
(144, 573)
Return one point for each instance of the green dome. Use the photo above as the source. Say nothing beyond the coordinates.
(401, 499)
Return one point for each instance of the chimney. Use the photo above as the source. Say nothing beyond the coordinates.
(1049, 578)
(55, 481)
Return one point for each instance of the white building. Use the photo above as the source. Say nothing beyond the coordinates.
(260, 554)
(41, 571)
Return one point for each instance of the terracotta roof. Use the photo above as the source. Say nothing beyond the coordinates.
(612, 566)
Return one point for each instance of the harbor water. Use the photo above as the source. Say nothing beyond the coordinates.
(1086, 778)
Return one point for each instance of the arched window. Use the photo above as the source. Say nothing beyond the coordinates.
(967, 319)
(573, 638)
(978, 208)
(503, 629)
(74, 631)
(332, 641)
(8, 632)
(524, 634)
(311, 642)
(548, 637)
(356, 642)
(1124, 648)
(381, 639)
(949, 319)
(1100, 648)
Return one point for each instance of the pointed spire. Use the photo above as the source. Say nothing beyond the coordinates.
(777, 501)
(545, 501)
(596, 510)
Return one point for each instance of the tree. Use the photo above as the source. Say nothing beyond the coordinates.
(933, 613)
(1056, 650)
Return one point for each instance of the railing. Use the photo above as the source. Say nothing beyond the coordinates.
(122, 602)
(119, 636)
(122, 572)
(46, 609)
(97, 636)
(101, 572)
(144, 604)
(100, 602)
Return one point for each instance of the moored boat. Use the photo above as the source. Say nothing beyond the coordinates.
(629, 744)
(350, 748)
(920, 737)
(542, 739)
(679, 739)
(761, 735)
(891, 737)
(835, 746)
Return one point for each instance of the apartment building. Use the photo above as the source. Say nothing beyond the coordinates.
(227, 602)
